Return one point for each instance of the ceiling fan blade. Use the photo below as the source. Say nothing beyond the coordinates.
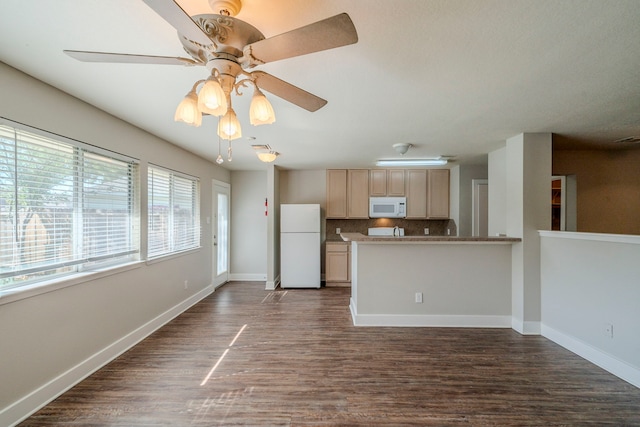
(85, 56)
(322, 35)
(288, 92)
(175, 15)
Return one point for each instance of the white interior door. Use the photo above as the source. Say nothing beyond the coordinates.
(480, 226)
(221, 242)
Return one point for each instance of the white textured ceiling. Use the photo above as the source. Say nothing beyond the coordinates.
(451, 77)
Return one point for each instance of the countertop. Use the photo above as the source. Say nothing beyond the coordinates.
(359, 237)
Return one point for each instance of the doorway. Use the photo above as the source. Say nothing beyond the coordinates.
(221, 241)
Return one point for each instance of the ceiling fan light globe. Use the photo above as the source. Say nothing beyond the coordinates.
(261, 112)
(211, 99)
(188, 111)
(229, 126)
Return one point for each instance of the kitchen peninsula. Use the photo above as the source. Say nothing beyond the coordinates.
(443, 281)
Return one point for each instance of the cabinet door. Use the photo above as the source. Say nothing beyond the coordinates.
(336, 193)
(377, 182)
(395, 182)
(337, 263)
(438, 194)
(358, 193)
(416, 193)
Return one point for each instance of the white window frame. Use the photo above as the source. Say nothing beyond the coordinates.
(162, 229)
(119, 250)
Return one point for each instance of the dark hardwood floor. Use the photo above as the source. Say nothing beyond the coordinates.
(300, 362)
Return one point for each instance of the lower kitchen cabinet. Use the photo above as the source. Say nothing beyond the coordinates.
(337, 259)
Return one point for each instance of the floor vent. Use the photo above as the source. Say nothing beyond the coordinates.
(274, 297)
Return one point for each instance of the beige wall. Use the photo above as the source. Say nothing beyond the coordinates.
(608, 188)
(51, 340)
(248, 225)
(384, 295)
(584, 291)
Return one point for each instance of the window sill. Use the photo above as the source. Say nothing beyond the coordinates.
(172, 255)
(39, 288)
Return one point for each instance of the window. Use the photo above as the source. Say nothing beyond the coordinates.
(64, 207)
(173, 212)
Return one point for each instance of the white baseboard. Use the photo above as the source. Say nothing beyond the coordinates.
(525, 328)
(425, 320)
(271, 286)
(594, 355)
(242, 277)
(32, 402)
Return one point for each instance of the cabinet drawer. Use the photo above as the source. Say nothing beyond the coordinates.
(337, 247)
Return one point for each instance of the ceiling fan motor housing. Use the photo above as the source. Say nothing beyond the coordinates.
(228, 36)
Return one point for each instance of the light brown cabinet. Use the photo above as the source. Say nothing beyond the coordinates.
(347, 193)
(416, 191)
(357, 193)
(336, 193)
(386, 182)
(438, 194)
(337, 260)
(377, 182)
(427, 193)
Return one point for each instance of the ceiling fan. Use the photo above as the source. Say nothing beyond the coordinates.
(229, 47)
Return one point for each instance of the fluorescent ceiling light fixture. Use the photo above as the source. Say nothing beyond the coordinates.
(412, 162)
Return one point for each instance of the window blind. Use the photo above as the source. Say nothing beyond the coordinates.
(173, 212)
(63, 207)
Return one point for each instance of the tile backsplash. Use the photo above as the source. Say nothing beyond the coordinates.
(411, 227)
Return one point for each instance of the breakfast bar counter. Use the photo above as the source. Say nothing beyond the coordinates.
(443, 281)
(359, 237)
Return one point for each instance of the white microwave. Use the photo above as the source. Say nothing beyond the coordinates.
(387, 207)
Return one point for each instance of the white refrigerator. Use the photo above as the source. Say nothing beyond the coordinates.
(300, 246)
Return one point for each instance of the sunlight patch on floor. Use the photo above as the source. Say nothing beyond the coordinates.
(223, 356)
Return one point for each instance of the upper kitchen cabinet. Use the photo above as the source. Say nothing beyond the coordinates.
(386, 182)
(426, 190)
(358, 193)
(427, 193)
(336, 193)
(347, 193)
(438, 194)
(416, 191)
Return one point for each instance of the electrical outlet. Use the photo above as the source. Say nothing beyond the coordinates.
(337, 230)
(426, 231)
(419, 297)
(186, 284)
(608, 330)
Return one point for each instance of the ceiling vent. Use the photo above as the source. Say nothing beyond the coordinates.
(628, 140)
